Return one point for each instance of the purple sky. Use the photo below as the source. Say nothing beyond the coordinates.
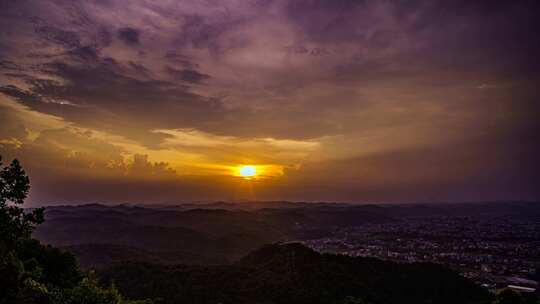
(362, 101)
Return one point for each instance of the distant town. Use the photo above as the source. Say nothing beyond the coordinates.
(494, 252)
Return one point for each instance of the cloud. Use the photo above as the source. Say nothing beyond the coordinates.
(228, 151)
(129, 35)
(187, 75)
(65, 38)
(142, 167)
(292, 84)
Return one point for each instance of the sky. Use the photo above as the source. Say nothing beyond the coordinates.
(117, 101)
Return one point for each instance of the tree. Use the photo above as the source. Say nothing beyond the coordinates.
(15, 223)
(508, 296)
(34, 273)
(16, 227)
(352, 300)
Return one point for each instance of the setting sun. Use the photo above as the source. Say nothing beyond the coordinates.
(247, 171)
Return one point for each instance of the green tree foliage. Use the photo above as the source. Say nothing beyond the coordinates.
(352, 300)
(292, 273)
(34, 273)
(15, 223)
(508, 296)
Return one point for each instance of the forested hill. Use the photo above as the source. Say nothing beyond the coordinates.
(99, 234)
(292, 273)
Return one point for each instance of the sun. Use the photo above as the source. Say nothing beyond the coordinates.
(247, 171)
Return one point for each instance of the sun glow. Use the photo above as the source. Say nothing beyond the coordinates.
(257, 172)
(247, 171)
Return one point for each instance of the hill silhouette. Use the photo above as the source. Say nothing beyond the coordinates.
(293, 273)
(183, 235)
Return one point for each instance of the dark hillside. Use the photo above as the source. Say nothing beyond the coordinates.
(191, 236)
(292, 273)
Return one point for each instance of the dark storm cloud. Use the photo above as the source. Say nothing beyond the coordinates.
(187, 75)
(20, 95)
(485, 34)
(129, 35)
(328, 20)
(68, 39)
(404, 99)
(9, 65)
(102, 86)
(455, 33)
(203, 32)
(96, 94)
(139, 68)
(181, 60)
(86, 54)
